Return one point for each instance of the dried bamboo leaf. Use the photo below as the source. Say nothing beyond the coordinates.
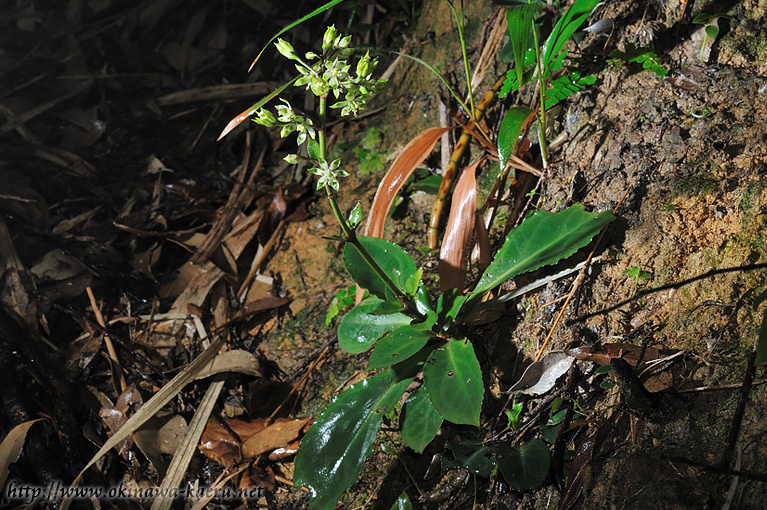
(541, 376)
(414, 153)
(11, 447)
(180, 462)
(217, 93)
(277, 435)
(150, 408)
(16, 284)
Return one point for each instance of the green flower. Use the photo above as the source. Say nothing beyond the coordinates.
(265, 118)
(286, 49)
(328, 173)
(329, 39)
(366, 66)
(320, 87)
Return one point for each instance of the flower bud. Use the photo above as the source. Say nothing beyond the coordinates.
(292, 159)
(329, 38)
(286, 49)
(362, 65)
(344, 42)
(265, 118)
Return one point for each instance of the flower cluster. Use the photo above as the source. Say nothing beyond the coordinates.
(288, 120)
(326, 74)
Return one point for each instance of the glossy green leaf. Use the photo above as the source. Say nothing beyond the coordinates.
(520, 22)
(712, 31)
(514, 123)
(332, 454)
(411, 284)
(419, 420)
(449, 304)
(542, 239)
(453, 380)
(470, 455)
(525, 467)
(423, 300)
(402, 503)
(314, 150)
(565, 27)
(355, 216)
(397, 346)
(388, 307)
(361, 328)
(428, 184)
(394, 261)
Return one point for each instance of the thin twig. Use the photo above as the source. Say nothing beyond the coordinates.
(737, 418)
(117, 372)
(581, 276)
(675, 285)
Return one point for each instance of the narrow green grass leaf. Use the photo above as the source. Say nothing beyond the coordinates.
(318, 10)
(519, 19)
(563, 30)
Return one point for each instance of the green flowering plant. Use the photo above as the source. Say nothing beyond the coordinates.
(323, 75)
(412, 337)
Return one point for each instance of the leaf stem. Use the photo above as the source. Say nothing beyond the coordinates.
(348, 232)
(542, 92)
(459, 23)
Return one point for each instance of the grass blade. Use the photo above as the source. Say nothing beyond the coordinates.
(186, 449)
(250, 111)
(318, 10)
(150, 408)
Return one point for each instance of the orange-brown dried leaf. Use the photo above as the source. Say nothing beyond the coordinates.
(459, 234)
(223, 452)
(257, 476)
(244, 429)
(284, 452)
(414, 153)
(277, 435)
